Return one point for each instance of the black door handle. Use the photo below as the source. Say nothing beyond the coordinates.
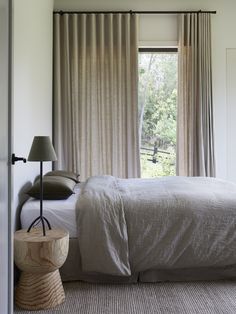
(14, 159)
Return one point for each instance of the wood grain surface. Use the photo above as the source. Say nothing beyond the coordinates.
(39, 291)
(36, 253)
(39, 258)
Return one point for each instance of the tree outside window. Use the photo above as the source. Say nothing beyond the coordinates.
(157, 112)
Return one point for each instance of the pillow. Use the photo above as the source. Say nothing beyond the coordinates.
(54, 188)
(66, 174)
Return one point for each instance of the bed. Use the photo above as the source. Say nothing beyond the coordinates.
(129, 230)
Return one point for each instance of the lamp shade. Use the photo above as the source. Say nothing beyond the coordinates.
(42, 149)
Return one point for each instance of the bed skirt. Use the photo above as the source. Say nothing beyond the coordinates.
(71, 271)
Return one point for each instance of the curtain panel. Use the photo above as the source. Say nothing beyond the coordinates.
(195, 136)
(95, 94)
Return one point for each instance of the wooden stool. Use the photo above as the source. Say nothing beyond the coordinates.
(39, 258)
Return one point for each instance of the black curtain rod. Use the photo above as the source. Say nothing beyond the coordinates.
(132, 12)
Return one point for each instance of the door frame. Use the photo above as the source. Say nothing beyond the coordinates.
(10, 174)
(6, 232)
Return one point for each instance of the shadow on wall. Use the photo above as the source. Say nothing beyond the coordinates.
(22, 198)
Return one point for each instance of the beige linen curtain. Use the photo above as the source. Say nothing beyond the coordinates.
(195, 138)
(95, 94)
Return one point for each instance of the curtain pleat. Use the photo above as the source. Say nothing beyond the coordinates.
(195, 134)
(95, 94)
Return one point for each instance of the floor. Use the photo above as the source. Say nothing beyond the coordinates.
(179, 297)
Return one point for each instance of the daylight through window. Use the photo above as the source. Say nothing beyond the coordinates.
(157, 111)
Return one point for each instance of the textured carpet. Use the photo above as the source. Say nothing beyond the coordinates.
(188, 297)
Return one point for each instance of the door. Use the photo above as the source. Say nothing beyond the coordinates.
(5, 152)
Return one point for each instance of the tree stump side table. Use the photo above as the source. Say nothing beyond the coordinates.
(39, 258)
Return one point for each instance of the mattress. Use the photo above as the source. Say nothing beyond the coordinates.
(60, 213)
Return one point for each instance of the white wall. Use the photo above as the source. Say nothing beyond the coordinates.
(163, 30)
(32, 84)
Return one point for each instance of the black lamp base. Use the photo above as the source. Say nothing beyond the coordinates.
(38, 219)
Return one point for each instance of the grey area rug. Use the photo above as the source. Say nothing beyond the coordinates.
(178, 297)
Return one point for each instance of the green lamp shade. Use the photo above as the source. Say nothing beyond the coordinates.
(42, 149)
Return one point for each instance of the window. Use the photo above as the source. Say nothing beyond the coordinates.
(157, 110)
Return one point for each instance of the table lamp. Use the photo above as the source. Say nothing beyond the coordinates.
(41, 150)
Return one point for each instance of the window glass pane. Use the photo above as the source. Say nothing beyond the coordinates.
(157, 113)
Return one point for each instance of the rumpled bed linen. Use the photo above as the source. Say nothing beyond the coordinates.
(132, 225)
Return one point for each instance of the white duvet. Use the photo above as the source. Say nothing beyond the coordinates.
(133, 225)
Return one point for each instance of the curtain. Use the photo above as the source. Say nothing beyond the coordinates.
(95, 94)
(195, 138)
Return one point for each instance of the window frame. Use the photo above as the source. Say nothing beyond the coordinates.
(158, 49)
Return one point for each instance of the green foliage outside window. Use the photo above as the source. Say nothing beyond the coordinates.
(158, 111)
